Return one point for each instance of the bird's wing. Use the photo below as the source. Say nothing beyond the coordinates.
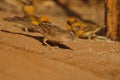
(51, 29)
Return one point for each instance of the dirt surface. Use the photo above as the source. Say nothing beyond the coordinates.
(24, 57)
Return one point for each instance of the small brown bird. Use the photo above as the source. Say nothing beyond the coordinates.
(49, 31)
(82, 29)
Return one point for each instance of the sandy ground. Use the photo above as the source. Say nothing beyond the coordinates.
(23, 57)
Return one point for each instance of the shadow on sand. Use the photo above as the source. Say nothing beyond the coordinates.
(40, 39)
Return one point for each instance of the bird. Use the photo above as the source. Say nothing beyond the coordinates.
(83, 29)
(49, 30)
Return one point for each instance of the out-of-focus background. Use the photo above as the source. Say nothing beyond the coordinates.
(59, 10)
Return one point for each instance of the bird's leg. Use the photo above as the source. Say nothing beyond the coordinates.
(26, 29)
(44, 41)
(89, 37)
